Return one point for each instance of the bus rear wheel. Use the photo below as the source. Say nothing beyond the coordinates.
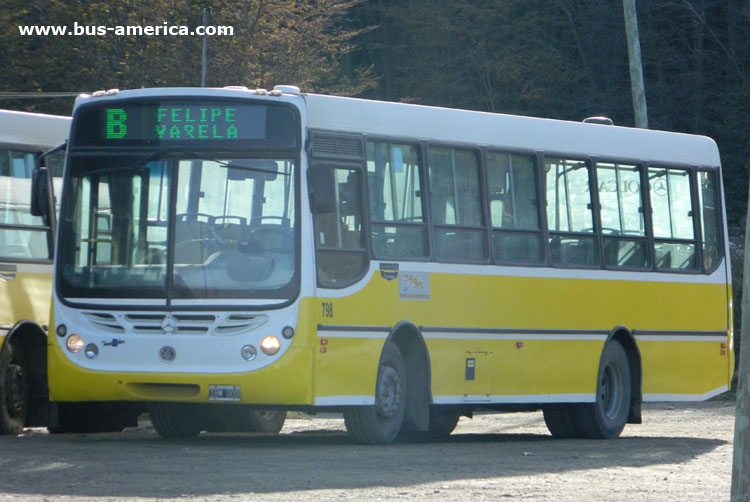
(176, 420)
(14, 389)
(381, 423)
(606, 417)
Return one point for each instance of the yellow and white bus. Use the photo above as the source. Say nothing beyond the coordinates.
(25, 267)
(226, 250)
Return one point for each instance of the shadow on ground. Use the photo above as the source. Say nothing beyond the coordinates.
(139, 464)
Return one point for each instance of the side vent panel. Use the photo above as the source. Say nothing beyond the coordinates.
(336, 146)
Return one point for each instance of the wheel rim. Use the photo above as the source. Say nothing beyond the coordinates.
(389, 392)
(15, 393)
(610, 391)
(268, 415)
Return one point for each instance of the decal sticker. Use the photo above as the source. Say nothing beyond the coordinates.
(389, 271)
(414, 286)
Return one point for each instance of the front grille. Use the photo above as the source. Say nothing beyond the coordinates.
(178, 324)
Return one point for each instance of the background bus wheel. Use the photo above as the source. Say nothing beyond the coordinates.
(605, 418)
(560, 420)
(381, 423)
(14, 389)
(266, 421)
(176, 420)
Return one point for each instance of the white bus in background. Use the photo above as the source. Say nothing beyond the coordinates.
(25, 267)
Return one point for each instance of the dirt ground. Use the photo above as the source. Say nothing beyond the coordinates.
(681, 452)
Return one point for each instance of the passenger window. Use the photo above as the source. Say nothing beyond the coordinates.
(569, 216)
(395, 199)
(623, 226)
(339, 241)
(672, 216)
(711, 230)
(514, 211)
(456, 204)
(18, 239)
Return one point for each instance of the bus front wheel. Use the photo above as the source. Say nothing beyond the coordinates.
(381, 423)
(266, 421)
(175, 420)
(14, 389)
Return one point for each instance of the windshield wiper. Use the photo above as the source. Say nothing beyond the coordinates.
(137, 165)
(237, 164)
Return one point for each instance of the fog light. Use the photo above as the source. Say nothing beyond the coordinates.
(287, 332)
(270, 345)
(248, 352)
(91, 351)
(74, 343)
(61, 330)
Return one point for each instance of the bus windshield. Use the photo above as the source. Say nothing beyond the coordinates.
(156, 227)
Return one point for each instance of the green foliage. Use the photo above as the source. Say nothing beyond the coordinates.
(274, 41)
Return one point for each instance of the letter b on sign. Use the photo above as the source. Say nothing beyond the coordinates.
(116, 127)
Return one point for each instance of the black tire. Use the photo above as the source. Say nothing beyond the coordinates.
(176, 420)
(14, 389)
(560, 420)
(605, 418)
(266, 421)
(381, 423)
(442, 422)
(89, 418)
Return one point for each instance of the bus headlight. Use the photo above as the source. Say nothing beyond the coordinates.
(287, 332)
(74, 343)
(270, 345)
(248, 352)
(91, 351)
(61, 330)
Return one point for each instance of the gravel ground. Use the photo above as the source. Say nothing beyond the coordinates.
(681, 452)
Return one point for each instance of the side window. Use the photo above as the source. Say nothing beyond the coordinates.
(569, 216)
(456, 204)
(708, 196)
(516, 234)
(672, 216)
(623, 225)
(18, 238)
(341, 254)
(395, 197)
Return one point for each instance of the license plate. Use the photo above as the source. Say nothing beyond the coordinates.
(223, 392)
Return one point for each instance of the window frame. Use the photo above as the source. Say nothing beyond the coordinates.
(697, 240)
(483, 205)
(647, 236)
(366, 249)
(536, 159)
(426, 223)
(595, 233)
(5, 149)
(719, 217)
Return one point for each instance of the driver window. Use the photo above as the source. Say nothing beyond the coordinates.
(339, 239)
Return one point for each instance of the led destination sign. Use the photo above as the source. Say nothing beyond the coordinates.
(185, 122)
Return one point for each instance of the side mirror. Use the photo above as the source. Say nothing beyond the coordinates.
(320, 183)
(40, 193)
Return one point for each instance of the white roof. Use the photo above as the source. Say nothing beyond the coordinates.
(507, 131)
(416, 122)
(33, 129)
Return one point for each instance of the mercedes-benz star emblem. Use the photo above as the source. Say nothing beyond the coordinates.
(167, 353)
(169, 324)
